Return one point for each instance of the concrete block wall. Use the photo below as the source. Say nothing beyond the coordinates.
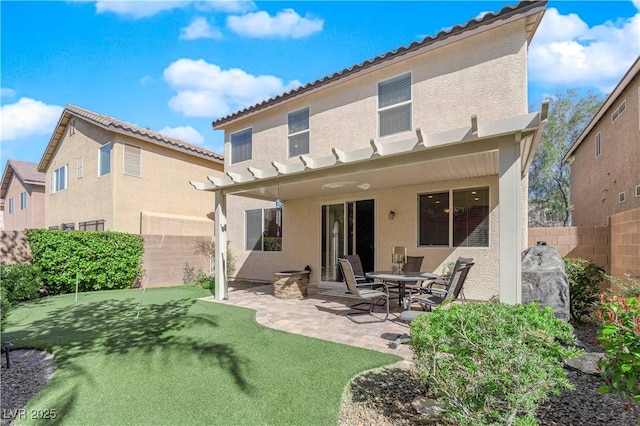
(14, 247)
(165, 257)
(586, 242)
(625, 243)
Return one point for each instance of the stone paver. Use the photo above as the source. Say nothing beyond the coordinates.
(322, 317)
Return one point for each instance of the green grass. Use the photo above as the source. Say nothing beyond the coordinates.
(182, 361)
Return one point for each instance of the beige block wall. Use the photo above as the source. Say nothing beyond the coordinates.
(625, 243)
(483, 75)
(596, 182)
(165, 257)
(302, 235)
(14, 248)
(33, 215)
(585, 242)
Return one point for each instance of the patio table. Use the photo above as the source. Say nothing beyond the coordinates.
(401, 278)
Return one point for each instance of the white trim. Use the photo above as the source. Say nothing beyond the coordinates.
(637, 190)
(108, 144)
(598, 144)
(308, 130)
(124, 156)
(79, 167)
(622, 107)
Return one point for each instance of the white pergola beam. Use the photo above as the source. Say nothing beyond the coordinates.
(221, 286)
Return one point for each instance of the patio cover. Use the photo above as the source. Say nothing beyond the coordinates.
(503, 147)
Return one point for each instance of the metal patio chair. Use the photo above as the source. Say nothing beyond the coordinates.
(366, 292)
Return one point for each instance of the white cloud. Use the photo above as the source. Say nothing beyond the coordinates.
(146, 80)
(6, 93)
(199, 28)
(186, 133)
(206, 90)
(565, 50)
(286, 24)
(227, 6)
(138, 9)
(27, 117)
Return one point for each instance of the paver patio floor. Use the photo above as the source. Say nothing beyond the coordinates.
(322, 317)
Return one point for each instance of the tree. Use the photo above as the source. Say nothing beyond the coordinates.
(569, 113)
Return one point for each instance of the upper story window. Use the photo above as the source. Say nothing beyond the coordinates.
(132, 160)
(241, 146)
(638, 191)
(72, 127)
(59, 179)
(10, 205)
(23, 200)
(104, 160)
(470, 224)
(263, 230)
(298, 132)
(618, 111)
(79, 167)
(598, 145)
(622, 197)
(394, 105)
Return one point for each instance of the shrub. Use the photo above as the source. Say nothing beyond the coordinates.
(491, 363)
(620, 339)
(97, 260)
(584, 279)
(205, 280)
(626, 287)
(208, 249)
(21, 282)
(5, 305)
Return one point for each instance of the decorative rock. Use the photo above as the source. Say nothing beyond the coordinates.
(544, 280)
(587, 363)
(429, 410)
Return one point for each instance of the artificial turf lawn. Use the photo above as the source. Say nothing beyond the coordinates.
(182, 361)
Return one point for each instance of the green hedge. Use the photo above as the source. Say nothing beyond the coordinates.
(98, 260)
(584, 281)
(21, 281)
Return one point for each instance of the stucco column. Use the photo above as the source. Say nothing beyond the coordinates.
(220, 291)
(510, 191)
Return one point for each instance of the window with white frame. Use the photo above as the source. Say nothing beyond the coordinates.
(298, 132)
(72, 127)
(104, 160)
(618, 111)
(263, 230)
(132, 160)
(394, 105)
(621, 197)
(79, 167)
(241, 146)
(456, 218)
(598, 145)
(11, 205)
(23, 200)
(59, 179)
(638, 191)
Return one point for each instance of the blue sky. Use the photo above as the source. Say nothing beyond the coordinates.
(176, 66)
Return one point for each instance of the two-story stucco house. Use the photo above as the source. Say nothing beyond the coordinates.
(23, 191)
(605, 159)
(105, 174)
(426, 146)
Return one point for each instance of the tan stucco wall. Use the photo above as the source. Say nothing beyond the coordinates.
(302, 233)
(483, 75)
(129, 203)
(596, 182)
(33, 215)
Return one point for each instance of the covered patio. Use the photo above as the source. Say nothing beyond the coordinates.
(322, 317)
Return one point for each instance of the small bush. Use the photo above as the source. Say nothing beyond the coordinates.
(97, 260)
(5, 305)
(21, 282)
(205, 280)
(584, 279)
(620, 339)
(491, 363)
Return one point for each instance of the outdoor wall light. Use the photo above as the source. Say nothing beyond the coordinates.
(392, 215)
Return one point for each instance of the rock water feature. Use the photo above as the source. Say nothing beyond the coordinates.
(544, 280)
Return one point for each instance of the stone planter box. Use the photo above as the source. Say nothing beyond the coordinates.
(290, 284)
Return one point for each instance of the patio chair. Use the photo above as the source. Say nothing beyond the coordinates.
(443, 282)
(365, 292)
(358, 270)
(432, 297)
(413, 264)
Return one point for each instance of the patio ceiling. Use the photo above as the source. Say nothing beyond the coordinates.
(457, 154)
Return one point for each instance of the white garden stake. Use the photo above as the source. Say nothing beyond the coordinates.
(144, 288)
(76, 286)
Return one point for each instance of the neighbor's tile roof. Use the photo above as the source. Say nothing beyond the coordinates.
(122, 127)
(485, 19)
(27, 172)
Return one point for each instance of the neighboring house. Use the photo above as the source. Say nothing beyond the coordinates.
(105, 174)
(605, 159)
(427, 146)
(23, 195)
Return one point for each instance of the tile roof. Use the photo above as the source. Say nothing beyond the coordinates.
(27, 172)
(122, 127)
(485, 19)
